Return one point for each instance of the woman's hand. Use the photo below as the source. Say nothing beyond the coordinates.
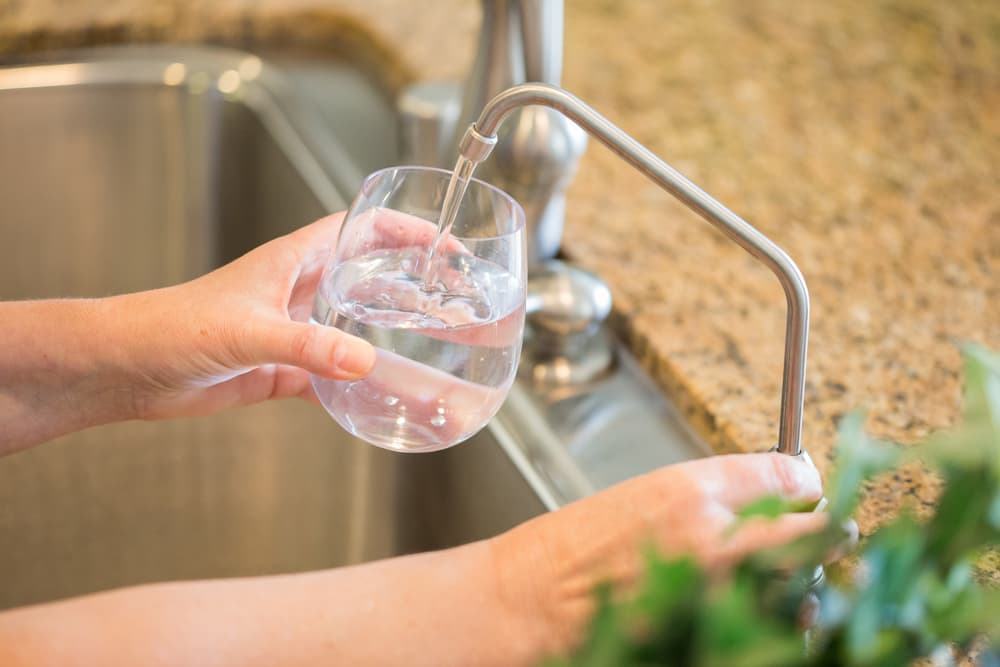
(235, 336)
(238, 335)
(550, 566)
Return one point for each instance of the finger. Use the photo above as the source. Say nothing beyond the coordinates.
(763, 533)
(308, 394)
(503, 333)
(323, 231)
(274, 382)
(325, 351)
(278, 381)
(394, 229)
(315, 243)
(735, 480)
(263, 383)
(259, 384)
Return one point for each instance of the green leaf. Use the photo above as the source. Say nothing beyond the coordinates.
(960, 610)
(858, 458)
(963, 523)
(768, 506)
(734, 633)
(673, 590)
(982, 400)
(670, 585)
(916, 591)
(975, 441)
(607, 642)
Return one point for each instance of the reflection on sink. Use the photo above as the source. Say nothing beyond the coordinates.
(128, 169)
(114, 181)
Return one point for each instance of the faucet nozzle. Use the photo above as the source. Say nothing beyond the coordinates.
(476, 147)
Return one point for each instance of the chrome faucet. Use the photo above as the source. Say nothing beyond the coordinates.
(480, 138)
(537, 130)
(520, 41)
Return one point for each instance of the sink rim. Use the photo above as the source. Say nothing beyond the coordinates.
(263, 87)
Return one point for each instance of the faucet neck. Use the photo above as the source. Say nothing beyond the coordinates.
(743, 233)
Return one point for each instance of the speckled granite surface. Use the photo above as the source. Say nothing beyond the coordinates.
(862, 136)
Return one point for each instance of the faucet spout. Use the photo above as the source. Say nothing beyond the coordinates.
(485, 130)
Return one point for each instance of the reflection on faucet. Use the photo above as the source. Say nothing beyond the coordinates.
(520, 41)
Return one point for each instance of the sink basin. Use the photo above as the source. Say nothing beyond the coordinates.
(113, 180)
(130, 168)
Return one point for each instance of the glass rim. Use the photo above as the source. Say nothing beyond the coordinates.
(518, 209)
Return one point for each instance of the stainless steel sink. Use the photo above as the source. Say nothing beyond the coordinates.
(113, 180)
(127, 169)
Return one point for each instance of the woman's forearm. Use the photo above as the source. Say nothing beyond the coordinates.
(57, 361)
(439, 609)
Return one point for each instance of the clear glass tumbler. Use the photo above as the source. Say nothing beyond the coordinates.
(447, 330)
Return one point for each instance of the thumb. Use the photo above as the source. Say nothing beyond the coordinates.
(325, 351)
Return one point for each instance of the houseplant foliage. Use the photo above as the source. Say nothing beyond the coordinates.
(911, 591)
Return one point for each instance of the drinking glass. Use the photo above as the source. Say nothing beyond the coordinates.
(446, 327)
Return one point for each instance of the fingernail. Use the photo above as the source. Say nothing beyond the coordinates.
(354, 357)
(813, 470)
(808, 459)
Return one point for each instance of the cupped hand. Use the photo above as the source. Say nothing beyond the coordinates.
(553, 563)
(239, 334)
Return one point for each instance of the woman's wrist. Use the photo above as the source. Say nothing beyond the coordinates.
(545, 593)
(60, 369)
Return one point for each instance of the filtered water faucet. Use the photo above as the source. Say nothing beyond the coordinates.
(480, 138)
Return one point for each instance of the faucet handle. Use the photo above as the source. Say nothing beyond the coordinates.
(566, 344)
(566, 300)
(428, 114)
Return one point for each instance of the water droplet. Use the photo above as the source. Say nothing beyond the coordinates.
(439, 420)
(391, 400)
(440, 410)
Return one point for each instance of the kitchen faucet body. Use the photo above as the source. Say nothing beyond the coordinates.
(520, 41)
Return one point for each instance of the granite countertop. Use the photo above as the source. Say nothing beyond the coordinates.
(862, 137)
